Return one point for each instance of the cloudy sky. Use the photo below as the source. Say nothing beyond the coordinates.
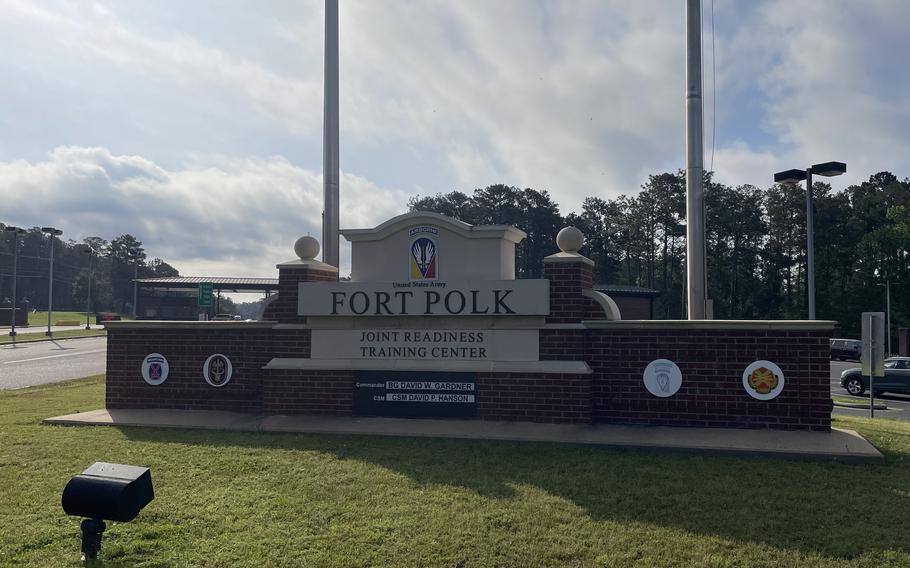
(197, 126)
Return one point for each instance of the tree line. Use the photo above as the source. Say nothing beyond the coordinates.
(755, 243)
(111, 265)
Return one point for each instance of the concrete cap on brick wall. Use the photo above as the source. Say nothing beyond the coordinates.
(782, 325)
(307, 248)
(569, 240)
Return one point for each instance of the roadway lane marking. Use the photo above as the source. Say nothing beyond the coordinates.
(55, 356)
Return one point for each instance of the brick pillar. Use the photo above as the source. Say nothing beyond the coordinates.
(570, 275)
(283, 306)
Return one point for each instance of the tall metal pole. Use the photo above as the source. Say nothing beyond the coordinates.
(888, 313)
(330, 150)
(135, 285)
(88, 299)
(12, 331)
(810, 245)
(695, 169)
(50, 288)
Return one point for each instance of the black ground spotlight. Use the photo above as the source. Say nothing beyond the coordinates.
(106, 491)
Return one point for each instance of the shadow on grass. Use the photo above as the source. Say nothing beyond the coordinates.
(813, 507)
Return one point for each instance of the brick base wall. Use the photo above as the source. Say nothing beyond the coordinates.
(534, 398)
(712, 364)
(711, 360)
(290, 391)
(186, 350)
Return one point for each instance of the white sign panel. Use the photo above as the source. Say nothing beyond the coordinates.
(425, 298)
(662, 378)
(763, 380)
(426, 344)
(873, 356)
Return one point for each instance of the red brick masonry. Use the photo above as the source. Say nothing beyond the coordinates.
(711, 361)
(711, 355)
(712, 364)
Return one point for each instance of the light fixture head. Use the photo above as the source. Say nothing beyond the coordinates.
(829, 169)
(51, 231)
(790, 176)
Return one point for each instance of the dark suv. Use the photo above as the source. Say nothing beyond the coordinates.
(846, 349)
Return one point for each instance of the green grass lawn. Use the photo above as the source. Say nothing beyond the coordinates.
(246, 499)
(858, 402)
(68, 334)
(40, 318)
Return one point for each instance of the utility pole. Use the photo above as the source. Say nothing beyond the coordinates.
(91, 276)
(51, 232)
(330, 148)
(810, 244)
(135, 283)
(888, 313)
(695, 168)
(16, 231)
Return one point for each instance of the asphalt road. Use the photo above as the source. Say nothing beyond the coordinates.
(29, 364)
(898, 405)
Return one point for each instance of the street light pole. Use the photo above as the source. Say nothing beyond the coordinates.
(135, 284)
(91, 276)
(810, 244)
(52, 232)
(826, 169)
(16, 231)
(888, 314)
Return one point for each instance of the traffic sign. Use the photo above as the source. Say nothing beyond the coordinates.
(205, 294)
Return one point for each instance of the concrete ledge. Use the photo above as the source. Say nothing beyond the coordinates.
(719, 325)
(540, 367)
(841, 445)
(163, 324)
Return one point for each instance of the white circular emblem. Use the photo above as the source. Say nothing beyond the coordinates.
(217, 370)
(763, 380)
(154, 369)
(662, 378)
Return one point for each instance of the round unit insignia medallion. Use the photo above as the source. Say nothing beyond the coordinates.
(154, 369)
(662, 378)
(763, 380)
(217, 370)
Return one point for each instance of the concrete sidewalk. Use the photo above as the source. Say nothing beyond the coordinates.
(841, 445)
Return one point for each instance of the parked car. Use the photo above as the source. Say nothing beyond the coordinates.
(896, 379)
(846, 349)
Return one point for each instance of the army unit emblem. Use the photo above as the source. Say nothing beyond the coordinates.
(763, 380)
(154, 369)
(423, 254)
(217, 370)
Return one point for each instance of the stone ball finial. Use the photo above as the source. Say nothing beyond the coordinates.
(570, 239)
(306, 247)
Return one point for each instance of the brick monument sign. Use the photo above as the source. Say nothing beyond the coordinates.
(433, 323)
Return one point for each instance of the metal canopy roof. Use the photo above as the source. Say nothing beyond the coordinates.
(218, 282)
(627, 290)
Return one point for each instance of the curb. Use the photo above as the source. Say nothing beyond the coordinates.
(860, 406)
(51, 339)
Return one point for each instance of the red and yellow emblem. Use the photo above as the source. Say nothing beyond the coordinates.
(763, 380)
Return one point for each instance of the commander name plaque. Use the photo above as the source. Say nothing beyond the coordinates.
(415, 394)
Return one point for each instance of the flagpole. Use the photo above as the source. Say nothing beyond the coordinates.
(695, 168)
(330, 149)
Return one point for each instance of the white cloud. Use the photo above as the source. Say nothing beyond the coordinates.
(578, 98)
(216, 216)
